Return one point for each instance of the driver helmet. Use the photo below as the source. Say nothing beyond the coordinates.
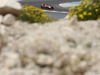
(45, 5)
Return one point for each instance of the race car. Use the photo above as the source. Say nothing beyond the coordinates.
(45, 6)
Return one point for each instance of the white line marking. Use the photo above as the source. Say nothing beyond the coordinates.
(18, 0)
(67, 5)
(55, 11)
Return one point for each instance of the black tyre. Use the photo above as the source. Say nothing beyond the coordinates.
(41, 7)
(52, 8)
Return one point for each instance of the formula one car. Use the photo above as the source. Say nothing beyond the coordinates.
(45, 6)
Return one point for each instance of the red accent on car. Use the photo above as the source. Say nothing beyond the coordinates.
(45, 5)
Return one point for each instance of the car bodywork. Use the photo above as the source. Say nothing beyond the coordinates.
(45, 6)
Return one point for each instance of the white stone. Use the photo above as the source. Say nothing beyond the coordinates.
(2, 30)
(1, 18)
(10, 59)
(11, 6)
(44, 60)
(67, 17)
(73, 20)
(9, 19)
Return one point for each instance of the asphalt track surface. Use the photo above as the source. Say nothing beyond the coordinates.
(54, 3)
(56, 15)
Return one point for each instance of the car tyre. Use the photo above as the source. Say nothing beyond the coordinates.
(41, 7)
(52, 8)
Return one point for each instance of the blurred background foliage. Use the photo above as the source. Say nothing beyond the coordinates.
(86, 10)
(33, 14)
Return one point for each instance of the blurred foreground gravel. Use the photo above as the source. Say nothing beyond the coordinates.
(65, 47)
